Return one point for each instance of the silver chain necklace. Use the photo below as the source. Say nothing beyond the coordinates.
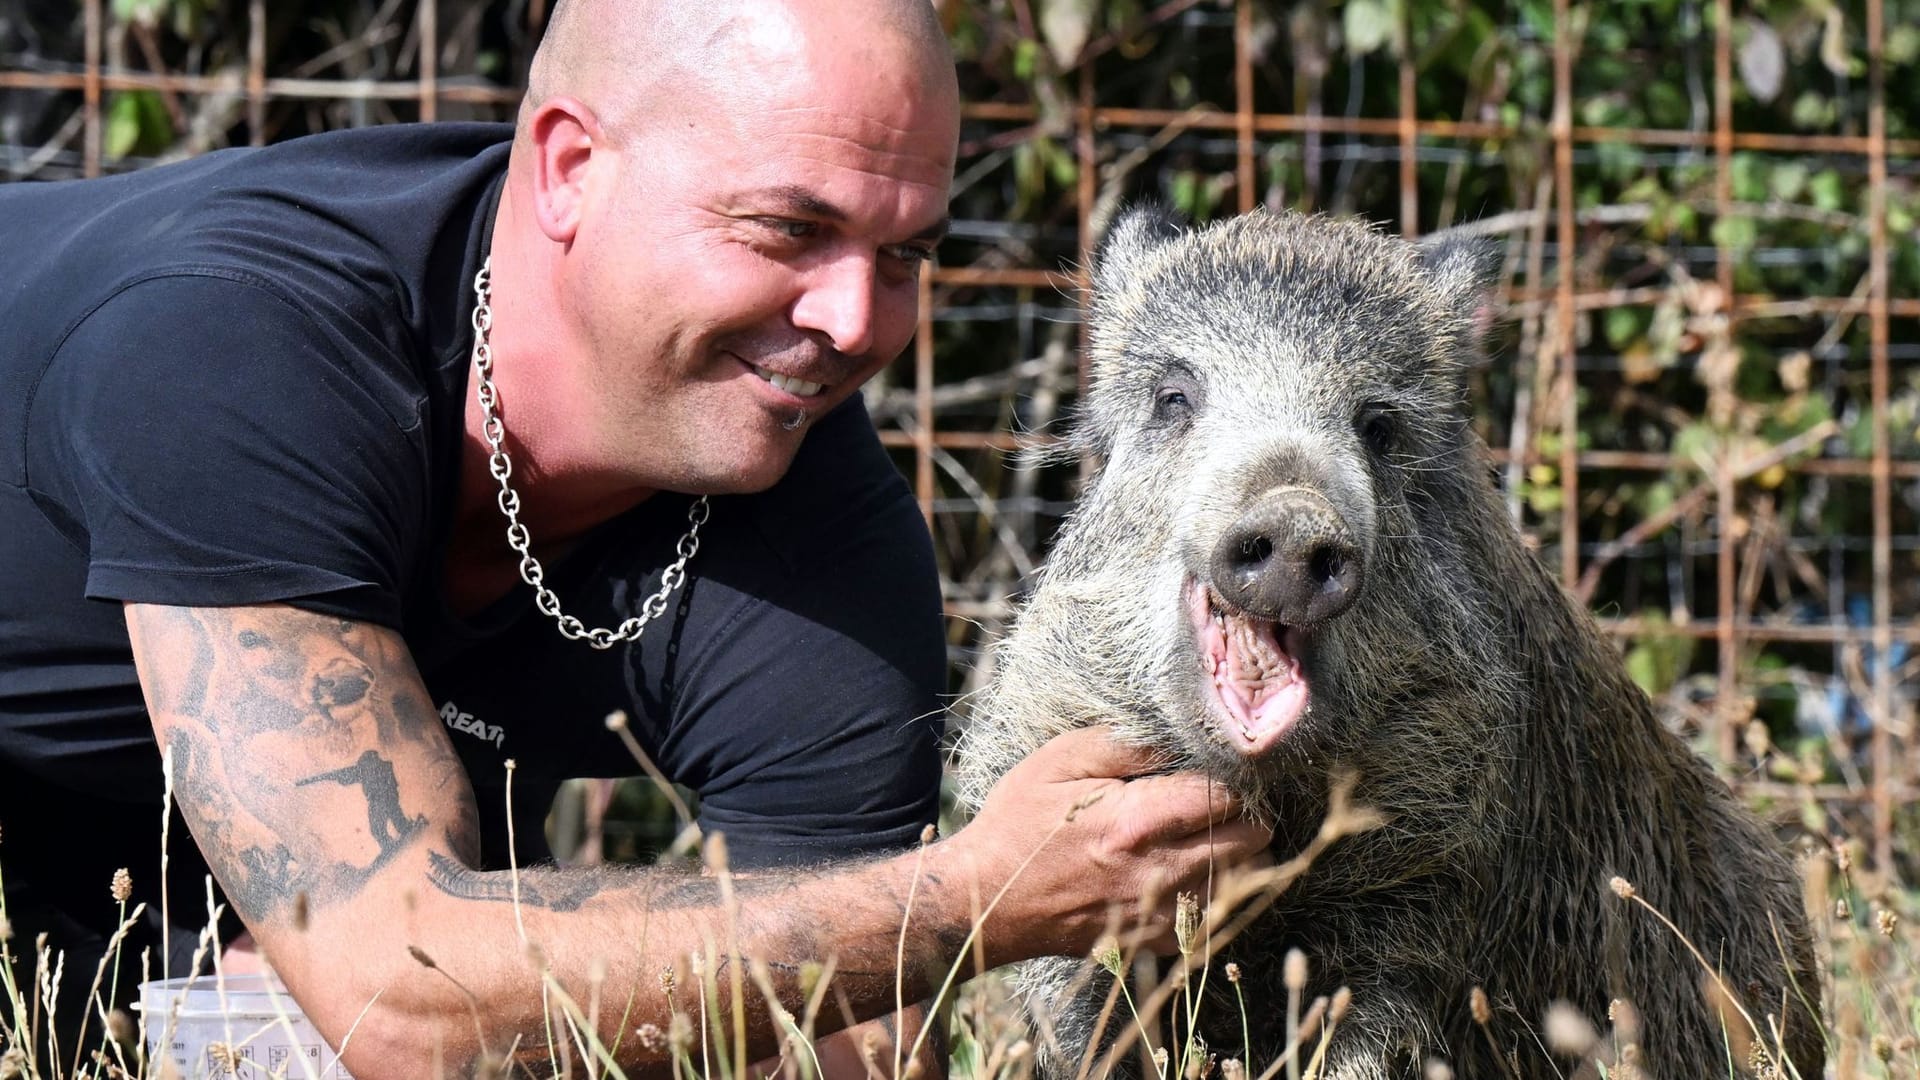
(517, 537)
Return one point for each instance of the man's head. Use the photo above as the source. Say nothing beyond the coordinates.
(729, 201)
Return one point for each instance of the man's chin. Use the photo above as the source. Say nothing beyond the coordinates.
(760, 471)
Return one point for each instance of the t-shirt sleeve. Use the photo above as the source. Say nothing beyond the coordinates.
(813, 722)
(208, 443)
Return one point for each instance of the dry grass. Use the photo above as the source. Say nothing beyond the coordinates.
(1870, 951)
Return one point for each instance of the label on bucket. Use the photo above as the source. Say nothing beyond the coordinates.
(259, 1033)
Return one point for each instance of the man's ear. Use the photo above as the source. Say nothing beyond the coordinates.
(1133, 234)
(563, 133)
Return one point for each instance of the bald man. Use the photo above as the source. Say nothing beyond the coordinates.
(359, 477)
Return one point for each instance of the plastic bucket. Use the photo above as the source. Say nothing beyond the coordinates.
(243, 1026)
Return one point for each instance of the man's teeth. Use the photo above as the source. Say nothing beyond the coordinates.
(796, 387)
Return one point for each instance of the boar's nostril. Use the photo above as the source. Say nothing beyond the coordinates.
(1255, 551)
(1324, 566)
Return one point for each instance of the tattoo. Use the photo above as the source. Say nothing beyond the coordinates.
(264, 880)
(341, 682)
(538, 889)
(247, 699)
(373, 774)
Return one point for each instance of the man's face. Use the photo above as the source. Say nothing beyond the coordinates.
(757, 257)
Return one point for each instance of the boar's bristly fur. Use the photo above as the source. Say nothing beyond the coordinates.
(1518, 767)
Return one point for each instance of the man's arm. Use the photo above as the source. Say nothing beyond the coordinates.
(315, 775)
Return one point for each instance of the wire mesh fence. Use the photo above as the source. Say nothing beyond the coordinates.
(1702, 395)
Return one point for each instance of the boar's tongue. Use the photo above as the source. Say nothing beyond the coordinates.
(1258, 685)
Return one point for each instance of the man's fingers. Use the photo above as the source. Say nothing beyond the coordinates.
(1179, 805)
(1236, 845)
(1091, 754)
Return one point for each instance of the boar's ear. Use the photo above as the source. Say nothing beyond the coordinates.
(1133, 233)
(1461, 269)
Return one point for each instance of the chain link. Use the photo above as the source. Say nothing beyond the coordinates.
(518, 538)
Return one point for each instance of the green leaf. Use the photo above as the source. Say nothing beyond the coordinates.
(1641, 668)
(1789, 180)
(145, 12)
(1827, 189)
(1903, 45)
(1667, 105)
(1025, 52)
(1624, 326)
(1749, 177)
(1812, 111)
(1367, 25)
(1185, 192)
(123, 126)
(1735, 232)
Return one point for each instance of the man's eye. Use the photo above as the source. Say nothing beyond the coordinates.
(913, 255)
(789, 228)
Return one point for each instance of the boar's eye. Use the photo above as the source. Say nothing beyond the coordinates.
(1175, 396)
(1170, 402)
(1377, 429)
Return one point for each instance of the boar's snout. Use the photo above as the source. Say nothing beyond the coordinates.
(1290, 558)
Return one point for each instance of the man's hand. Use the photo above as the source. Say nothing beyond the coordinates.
(1076, 833)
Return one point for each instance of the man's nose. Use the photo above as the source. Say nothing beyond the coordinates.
(839, 302)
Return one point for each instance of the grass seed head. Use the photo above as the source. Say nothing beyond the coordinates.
(1883, 1048)
(122, 1028)
(1106, 953)
(616, 720)
(1888, 920)
(1437, 1070)
(1294, 972)
(122, 887)
(1160, 1060)
(1231, 1069)
(810, 972)
(1233, 973)
(1482, 1009)
(1342, 1001)
(1186, 921)
(1569, 1033)
(1625, 1020)
(929, 834)
(420, 957)
(1621, 887)
(1842, 910)
(680, 1032)
(1843, 856)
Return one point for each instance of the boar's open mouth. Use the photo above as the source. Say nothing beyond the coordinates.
(1252, 667)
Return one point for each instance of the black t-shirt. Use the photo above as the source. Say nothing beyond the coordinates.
(240, 379)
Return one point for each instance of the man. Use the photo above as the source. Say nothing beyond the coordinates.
(299, 440)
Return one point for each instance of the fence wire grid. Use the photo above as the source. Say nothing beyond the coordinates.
(1703, 399)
